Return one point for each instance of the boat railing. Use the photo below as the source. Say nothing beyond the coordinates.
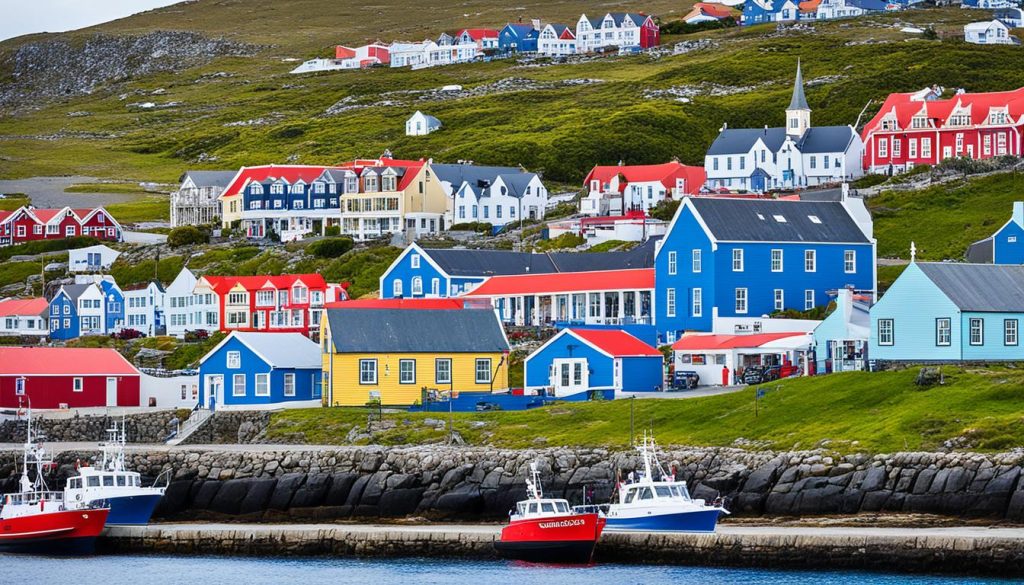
(591, 509)
(32, 498)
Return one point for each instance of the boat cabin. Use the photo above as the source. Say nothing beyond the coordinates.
(535, 508)
(93, 478)
(27, 503)
(656, 491)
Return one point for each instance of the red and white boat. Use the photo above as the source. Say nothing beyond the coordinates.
(38, 520)
(547, 530)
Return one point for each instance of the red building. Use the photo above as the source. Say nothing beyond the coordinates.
(287, 303)
(66, 377)
(911, 129)
(27, 224)
(650, 33)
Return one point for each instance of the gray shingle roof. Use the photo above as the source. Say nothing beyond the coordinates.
(455, 174)
(210, 178)
(979, 287)
(490, 262)
(74, 291)
(641, 256)
(825, 139)
(337, 175)
(517, 183)
(741, 140)
(981, 252)
(415, 331)
(283, 350)
(754, 220)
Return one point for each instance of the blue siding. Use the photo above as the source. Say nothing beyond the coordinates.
(1008, 245)
(57, 314)
(993, 345)
(642, 374)
(113, 306)
(404, 272)
(307, 380)
(519, 38)
(686, 236)
(538, 364)
(913, 302)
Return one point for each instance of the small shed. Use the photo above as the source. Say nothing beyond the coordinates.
(420, 124)
(66, 377)
(721, 359)
(92, 259)
(579, 361)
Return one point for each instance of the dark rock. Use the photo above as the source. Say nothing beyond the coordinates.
(460, 502)
(313, 492)
(285, 490)
(374, 489)
(341, 484)
(760, 480)
(230, 496)
(175, 500)
(204, 496)
(400, 502)
(874, 480)
(258, 497)
(357, 490)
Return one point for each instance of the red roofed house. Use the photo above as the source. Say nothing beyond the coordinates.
(709, 12)
(910, 129)
(604, 297)
(66, 377)
(290, 303)
(619, 188)
(27, 224)
(581, 362)
(721, 359)
(24, 317)
(365, 56)
(484, 38)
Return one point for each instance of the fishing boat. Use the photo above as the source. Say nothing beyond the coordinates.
(548, 530)
(111, 482)
(39, 520)
(659, 504)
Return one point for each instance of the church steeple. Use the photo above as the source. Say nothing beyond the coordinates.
(798, 114)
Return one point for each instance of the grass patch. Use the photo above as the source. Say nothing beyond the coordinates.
(612, 246)
(104, 188)
(145, 208)
(15, 272)
(43, 246)
(13, 201)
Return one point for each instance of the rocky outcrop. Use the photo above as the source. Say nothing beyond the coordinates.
(481, 483)
(149, 427)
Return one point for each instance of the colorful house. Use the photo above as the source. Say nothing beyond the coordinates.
(144, 307)
(556, 40)
(26, 317)
(622, 30)
(27, 224)
(257, 371)
(288, 303)
(1006, 246)
(113, 305)
(709, 12)
(727, 257)
(614, 190)
(395, 355)
(71, 302)
(841, 339)
(485, 39)
(190, 308)
(518, 38)
(911, 130)
(948, 312)
(582, 361)
(63, 377)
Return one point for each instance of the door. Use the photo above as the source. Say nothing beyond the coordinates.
(214, 390)
(947, 152)
(569, 376)
(111, 391)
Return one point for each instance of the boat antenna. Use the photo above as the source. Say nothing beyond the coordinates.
(533, 488)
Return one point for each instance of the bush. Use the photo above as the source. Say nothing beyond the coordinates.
(681, 27)
(565, 241)
(869, 181)
(273, 236)
(196, 335)
(126, 334)
(481, 227)
(664, 210)
(330, 247)
(332, 231)
(187, 235)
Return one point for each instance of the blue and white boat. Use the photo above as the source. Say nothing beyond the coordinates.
(646, 504)
(130, 503)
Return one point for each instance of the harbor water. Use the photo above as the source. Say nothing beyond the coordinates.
(212, 570)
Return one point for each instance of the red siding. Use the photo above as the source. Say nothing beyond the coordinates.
(52, 391)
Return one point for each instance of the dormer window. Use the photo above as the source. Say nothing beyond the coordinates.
(256, 189)
(370, 183)
(998, 117)
(889, 124)
(388, 183)
(919, 122)
(318, 187)
(352, 184)
(960, 119)
(297, 189)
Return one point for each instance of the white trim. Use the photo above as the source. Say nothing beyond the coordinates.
(700, 221)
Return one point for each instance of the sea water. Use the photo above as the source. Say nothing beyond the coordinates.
(215, 570)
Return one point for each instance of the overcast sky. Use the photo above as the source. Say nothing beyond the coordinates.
(21, 17)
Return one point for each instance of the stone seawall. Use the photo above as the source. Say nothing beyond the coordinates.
(231, 427)
(147, 427)
(276, 484)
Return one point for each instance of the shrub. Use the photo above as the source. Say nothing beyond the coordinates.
(126, 334)
(681, 27)
(332, 231)
(664, 210)
(482, 227)
(562, 242)
(330, 247)
(187, 235)
(196, 335)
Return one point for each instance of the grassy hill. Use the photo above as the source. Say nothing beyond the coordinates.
(879, 412)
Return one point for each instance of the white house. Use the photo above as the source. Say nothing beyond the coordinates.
(420, 124)
(144, 308)
(196, 202)
(556, 40)
(92, 259)
(615, 29)
(509, 198)
(24, 317)
(188, 308)
(989, 32)
(91, 314)
(429, 54)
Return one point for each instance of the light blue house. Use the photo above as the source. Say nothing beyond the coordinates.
(257, 371)
(947, 312)
(841, 339)
(726, 257)
(1006, 246)
(578, 362)
(518, 38)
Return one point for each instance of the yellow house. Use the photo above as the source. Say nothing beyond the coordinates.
(394, 355)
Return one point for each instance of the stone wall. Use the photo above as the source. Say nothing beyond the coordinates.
(148, 427)
(230, 428)
(480, 483)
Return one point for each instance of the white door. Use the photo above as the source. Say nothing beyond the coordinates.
(111, 391)
(214, 391)
(569, 376)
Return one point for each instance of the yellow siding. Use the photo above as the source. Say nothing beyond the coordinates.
(226, 216)
(347, 391)
(432, 200)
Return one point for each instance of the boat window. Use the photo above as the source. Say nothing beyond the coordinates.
(93, 481)
(630, 495)
(521, 508)
(533, 508)
(108, 480)
(663, 491)
(120, 481)
(562, 506)
(546, 507)
(645, 494)
(73, 484)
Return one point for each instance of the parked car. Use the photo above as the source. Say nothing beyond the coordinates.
(760, 374)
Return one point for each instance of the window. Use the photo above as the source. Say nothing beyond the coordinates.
(886, 332)
(406, 371)
(396, 288)
(414, 261)
(234, 359)
(1010, 332)
(883, 147)
(696, 261)
(238, 298)
(368, 371)
(808, 299)
(238, 385)
(977, 330)
(483, 370)
(417, 286)
(698, 302)
(850, 261)
(780, 300)
(289, 384)
(913, 147)
(926, 148)
(77, 385)
(737, 260)
(896, 147)
(810, 260)
(443, 371)
(262, 384)
(670, 302)
(672, 263)
(741, 301)
(776, 260)
(943, 331)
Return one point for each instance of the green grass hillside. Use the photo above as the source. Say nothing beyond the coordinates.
(880, 412)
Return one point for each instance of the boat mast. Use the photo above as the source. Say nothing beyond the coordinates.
(533, 489)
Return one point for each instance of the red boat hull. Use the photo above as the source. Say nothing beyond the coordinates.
(59, 532)
(557, 539)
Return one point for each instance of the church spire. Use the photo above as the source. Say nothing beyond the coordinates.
(798, 114)
(799, 102)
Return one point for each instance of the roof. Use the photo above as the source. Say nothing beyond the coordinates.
(308, 174)
(210, 178)
(711, 9)
(634, 279)
(73, 291)
(768, 220)
(435, 304)
(517, 183)
(818, 139)
(456, 262)
(904, 106)
(666, 173)
(520, 30)
(479, 33)
(641, 256)
(18, 307)
(721, 342)
(616, 342)
(63, 361)
(416, 331)
(222, 284)
(983, 25)
(456, 174)
(619, 17)
(982, 251)
(96, 248)
(799, 101)
(741, 140)
(279, 350)
(979, 287)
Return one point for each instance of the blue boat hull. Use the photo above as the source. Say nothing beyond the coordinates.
(696, 521)
(132, 510)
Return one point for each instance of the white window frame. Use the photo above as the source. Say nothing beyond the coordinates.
(850, 261)
(77, 384)
(943, 325)
(437, 371)
(235, 386)
(810, 260)
(776, 260)
(886, 332)
(697, 309)
(670, 302)
(368, 375)
(414, 260)
(672, 263)
(234, 360)
(737, 260)
(396, 288)
(980, 329)
(696, 261)
(1011, 332)
(809, 299)
(742, 301)
(289, 379)
(262, 380)
(402, 373)
(477, 371)
(779, 296)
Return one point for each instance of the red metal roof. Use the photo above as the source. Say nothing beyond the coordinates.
(712, 342)
(905, 108)
(480, 33)
(292, 173)
(434, 304)
(666, 173)
(63, 361)
(712, 9)
(528, 284)
(616, 342)
(13, 307)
